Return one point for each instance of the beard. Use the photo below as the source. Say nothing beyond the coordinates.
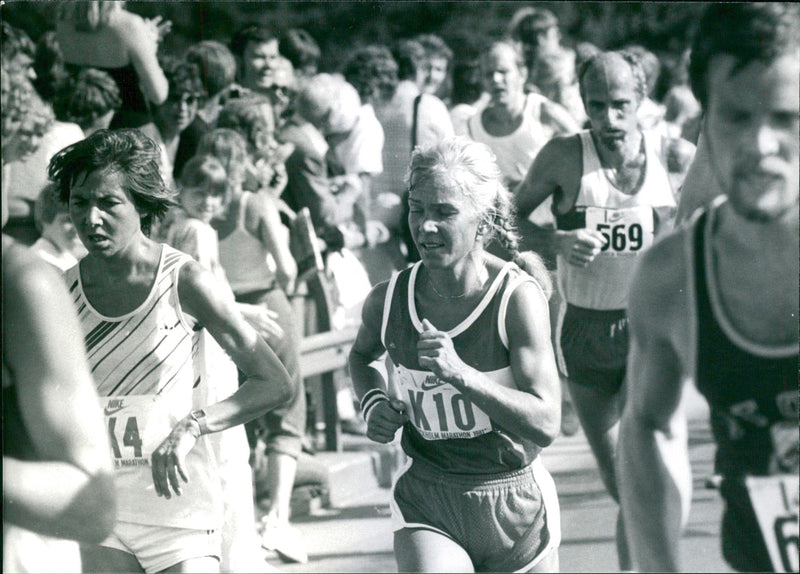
(767, 209)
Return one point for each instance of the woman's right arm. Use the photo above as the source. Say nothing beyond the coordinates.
(141, 39)
(384, 416)
(69, 491)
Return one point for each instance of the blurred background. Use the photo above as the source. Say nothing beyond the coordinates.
(664, 28)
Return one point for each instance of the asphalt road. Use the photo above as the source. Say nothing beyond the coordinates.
(358, 537)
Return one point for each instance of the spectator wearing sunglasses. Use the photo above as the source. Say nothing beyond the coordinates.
(217, 66)
(176, 119)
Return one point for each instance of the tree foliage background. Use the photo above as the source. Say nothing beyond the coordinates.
(339, 26)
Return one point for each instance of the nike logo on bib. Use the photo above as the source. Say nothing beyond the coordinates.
(432, 382)
(114, 405)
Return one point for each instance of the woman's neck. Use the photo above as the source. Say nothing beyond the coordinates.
(140, 254)
(468, 277)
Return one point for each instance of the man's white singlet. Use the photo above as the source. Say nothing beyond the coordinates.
(629, 223)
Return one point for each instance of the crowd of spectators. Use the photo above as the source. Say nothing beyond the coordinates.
(250, 133)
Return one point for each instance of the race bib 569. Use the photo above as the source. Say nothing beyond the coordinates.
(625, 230)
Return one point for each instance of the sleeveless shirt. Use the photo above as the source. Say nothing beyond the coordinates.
(147, 367)
(515, 152)
(244, 257)
(445, 429)
(751, 389)
(749, 386)
(629, 223)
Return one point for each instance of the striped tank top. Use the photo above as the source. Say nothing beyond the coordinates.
(148, 370)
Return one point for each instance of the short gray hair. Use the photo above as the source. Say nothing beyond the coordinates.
(329, 100)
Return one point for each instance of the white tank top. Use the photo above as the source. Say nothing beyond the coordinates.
(244, 257)
(516, 152)
(147, 367)
(629, 222)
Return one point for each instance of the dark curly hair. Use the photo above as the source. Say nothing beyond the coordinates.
(410, 56)
(370, 70)
(128, 151)
(216, 63)
(258, 33)
(746, 31)
(183, 77)
(86, 96)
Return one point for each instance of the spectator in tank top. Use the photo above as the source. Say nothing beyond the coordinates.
(254, 251)
(102, 34)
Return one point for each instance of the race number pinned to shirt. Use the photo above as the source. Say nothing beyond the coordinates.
(625, 230)
(436, 408)
(136, 426)
(775, 501)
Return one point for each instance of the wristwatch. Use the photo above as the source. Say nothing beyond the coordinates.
(199, 416)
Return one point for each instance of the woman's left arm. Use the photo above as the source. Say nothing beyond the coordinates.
(533, 408)
(267, 386)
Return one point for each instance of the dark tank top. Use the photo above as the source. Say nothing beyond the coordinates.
(445, 429)
(753, 398)
(752, 395)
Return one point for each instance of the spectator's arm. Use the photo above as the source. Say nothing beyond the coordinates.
(557, 116)
(142, 47)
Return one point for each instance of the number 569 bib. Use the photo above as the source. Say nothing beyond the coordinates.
(625, 230)
(137, 424)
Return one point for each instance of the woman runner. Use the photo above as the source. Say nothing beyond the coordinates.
(472, 377)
